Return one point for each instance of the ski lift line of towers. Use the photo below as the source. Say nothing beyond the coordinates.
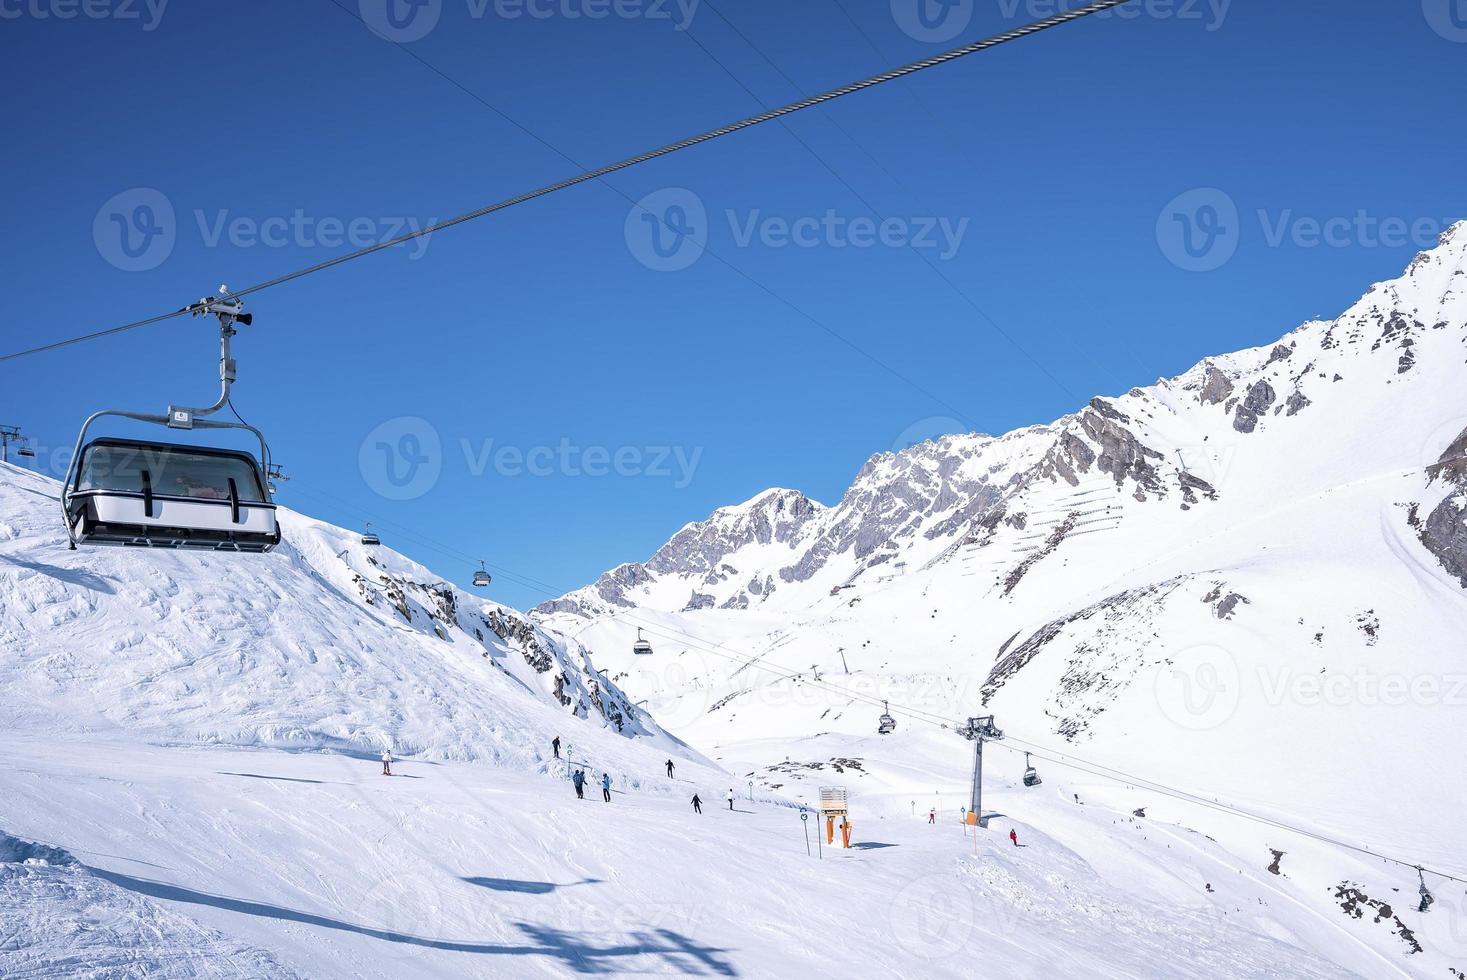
(12, 433)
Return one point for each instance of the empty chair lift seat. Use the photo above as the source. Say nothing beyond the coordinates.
(147, 494)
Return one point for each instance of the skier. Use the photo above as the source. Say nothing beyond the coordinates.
(606, 786)
(555, 744)
(1014, 836)
(386, 763)
(579, 779)
(697, 804)
(730, 798)
(932, 815)
(669, 768)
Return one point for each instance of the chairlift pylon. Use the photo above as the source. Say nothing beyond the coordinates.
(886, 724)
(1031, 775)
(135, 493)
(481, 577)
(641, 647)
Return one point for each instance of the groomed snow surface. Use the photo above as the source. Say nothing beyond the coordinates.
(194, 862)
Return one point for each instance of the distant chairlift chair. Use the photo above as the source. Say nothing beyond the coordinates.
(1031, 775)
(641, 648)
(481, 578)
(886, 724)
(368, 538)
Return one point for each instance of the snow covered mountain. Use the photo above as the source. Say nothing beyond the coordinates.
(1161, 447)
(1244, 583)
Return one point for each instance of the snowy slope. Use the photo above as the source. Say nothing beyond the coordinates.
(323, 643)
(1245, 582)
(467, 871)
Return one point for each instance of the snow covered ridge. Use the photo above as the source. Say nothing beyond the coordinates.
(325, 643)
(1163, 445)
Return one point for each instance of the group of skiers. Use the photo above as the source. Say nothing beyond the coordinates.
(578, 780)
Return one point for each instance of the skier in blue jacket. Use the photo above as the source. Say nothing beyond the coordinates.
(579, 780)
(606, 786)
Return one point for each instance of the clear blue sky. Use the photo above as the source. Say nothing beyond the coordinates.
(1052, 163)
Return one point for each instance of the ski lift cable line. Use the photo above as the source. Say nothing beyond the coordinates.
(1104, 772)
(653, 627)
(912, 68)
(865, 202)
(1042, 752)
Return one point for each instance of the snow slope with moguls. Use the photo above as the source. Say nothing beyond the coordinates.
(324, 643)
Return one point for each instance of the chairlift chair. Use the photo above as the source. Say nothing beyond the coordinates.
(369, 538)
(1031, 775)
(641, 648)
(26, 452)
(886, 724)
(481, 577)
(136, 493)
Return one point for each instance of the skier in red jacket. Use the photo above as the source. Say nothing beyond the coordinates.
(1014, 836)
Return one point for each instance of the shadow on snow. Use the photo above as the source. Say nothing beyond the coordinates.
(677, 951)
(526, 887)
